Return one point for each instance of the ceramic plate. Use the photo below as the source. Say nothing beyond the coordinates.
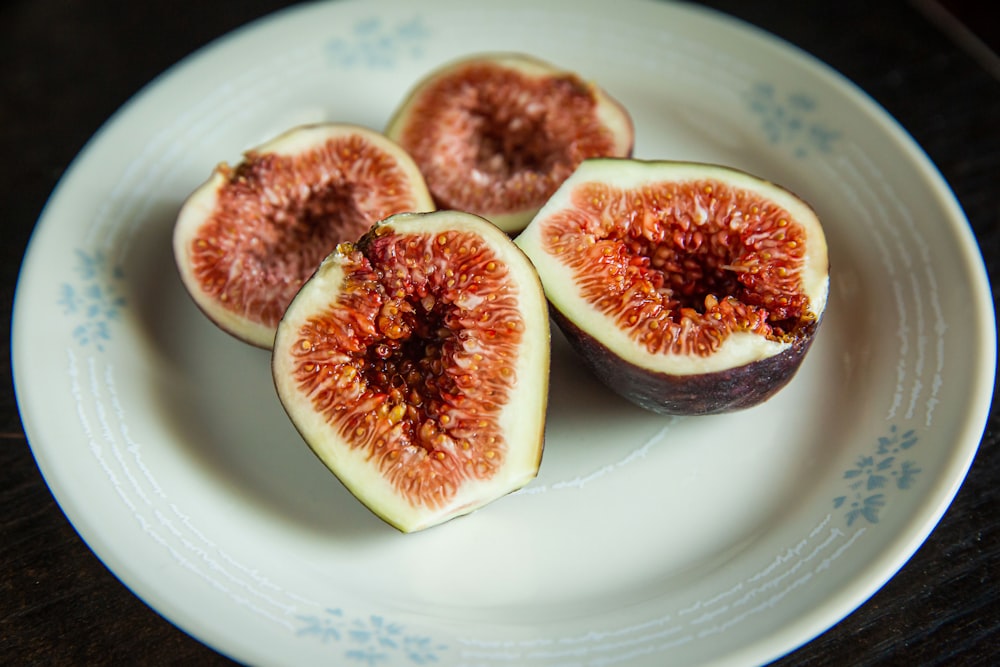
(645, 540)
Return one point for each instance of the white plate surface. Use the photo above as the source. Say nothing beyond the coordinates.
(645, 540)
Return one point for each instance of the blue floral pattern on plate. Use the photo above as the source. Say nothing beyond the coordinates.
(876, 472)
(95, 301)
(375, 44)
(371, 641)
(790, 120)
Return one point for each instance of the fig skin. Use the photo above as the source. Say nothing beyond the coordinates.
(646, 340)
(337, 319)
(462, 172)
(709, 393)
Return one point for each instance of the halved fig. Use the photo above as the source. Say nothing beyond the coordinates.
(496, 134)
(415, 365)
(687, 288)
(247, 239)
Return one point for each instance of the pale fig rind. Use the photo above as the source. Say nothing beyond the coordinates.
(488, 352)
(496, 133)
(686, 288)
(247, 238)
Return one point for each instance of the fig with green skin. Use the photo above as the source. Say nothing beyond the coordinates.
(415, 365)
(495, 134)
(687, 288)
(247, 239)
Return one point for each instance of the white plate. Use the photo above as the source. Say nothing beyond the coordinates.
(645, 540)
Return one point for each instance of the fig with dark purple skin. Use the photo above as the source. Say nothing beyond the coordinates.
(415, 364)
(495, 134)
(686, 288)
(247, 239)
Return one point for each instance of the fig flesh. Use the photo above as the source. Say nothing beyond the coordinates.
(495, 134)
(687, 288)
(415, 365)
(246, 240)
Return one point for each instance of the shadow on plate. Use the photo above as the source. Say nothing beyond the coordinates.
(576, 396)
(217, 399)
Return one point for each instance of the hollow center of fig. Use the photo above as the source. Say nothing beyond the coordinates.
(515, 136)
(680, 266)
(422, 344)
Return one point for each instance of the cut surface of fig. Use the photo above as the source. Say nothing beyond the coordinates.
(247, 239)
(415, 365)
(496, 134)
(687, 288)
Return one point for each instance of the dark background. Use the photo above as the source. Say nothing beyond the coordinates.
(67, 65)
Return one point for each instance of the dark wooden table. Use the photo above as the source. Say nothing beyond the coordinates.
(66, 65)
